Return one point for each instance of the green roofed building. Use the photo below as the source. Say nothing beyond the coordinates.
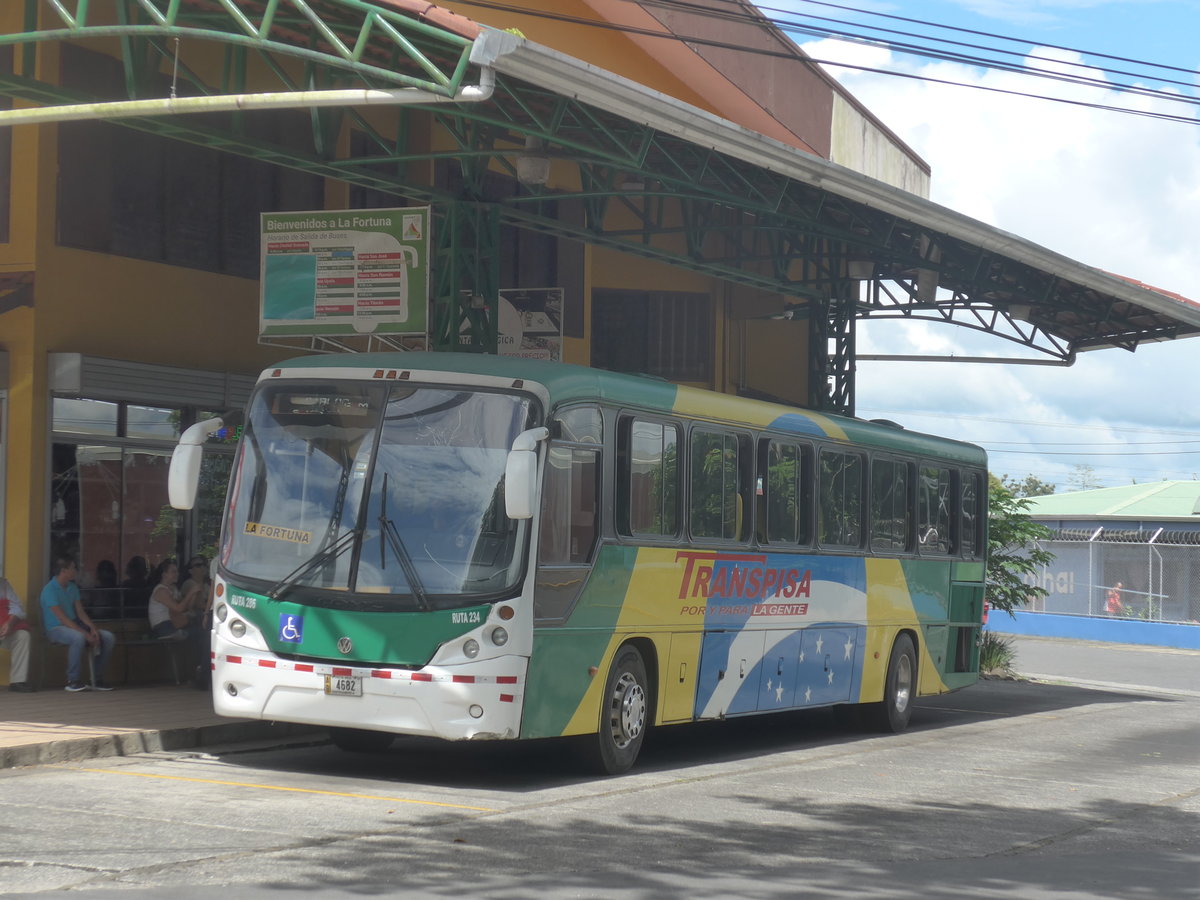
(1137, 545)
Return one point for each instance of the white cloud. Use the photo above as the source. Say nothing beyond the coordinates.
(1116, 191)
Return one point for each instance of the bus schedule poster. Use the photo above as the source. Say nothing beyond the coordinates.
(338, 272)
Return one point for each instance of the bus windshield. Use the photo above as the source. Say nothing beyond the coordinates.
(383, 495)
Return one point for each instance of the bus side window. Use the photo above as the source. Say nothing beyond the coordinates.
(839, 507)
(570, 522)
(783, 487)
(649, 480)
(721, 505)
(934, 519)
(570, 511)
(891, 506)
(970, 514)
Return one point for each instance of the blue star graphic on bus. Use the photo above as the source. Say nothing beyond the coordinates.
(291, 628)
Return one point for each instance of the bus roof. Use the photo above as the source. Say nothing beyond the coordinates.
(566, 382)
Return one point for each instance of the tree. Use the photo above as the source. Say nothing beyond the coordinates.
(1013, 551)
(1083, 478)
(1029, 486)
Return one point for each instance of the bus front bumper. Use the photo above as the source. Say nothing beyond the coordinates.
(476, 701)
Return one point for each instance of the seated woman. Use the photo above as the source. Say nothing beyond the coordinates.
(169, 613)
(197, 596)
(196, 587)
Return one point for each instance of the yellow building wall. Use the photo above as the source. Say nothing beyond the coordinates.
(25, 451)
(109, 306)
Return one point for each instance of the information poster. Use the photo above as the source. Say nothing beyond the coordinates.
(334, 272)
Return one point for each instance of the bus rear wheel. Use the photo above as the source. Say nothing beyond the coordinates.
(355, 740)
(899, 690)
(624, 714)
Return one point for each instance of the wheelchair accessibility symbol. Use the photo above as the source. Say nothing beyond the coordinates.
(291, 628)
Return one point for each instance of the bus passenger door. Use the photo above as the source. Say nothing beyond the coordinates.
(729, 673)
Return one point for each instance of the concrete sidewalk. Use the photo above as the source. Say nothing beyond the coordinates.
(55, 726)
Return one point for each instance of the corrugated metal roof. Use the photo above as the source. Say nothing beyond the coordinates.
(1159, 501)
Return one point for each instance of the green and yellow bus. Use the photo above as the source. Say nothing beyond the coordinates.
(482, 547)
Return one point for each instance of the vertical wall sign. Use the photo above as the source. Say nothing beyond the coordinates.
(529, 324)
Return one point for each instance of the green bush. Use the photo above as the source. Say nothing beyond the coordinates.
(996, 655)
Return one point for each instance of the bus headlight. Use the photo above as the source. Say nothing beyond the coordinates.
(237, 628)
(222, 612)
(499, 636)
(471, 648)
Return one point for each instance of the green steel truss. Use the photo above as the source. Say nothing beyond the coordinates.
(641, 190)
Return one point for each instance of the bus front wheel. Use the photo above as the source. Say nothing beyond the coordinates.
(899, 690)
(356, 740)
(624, 714)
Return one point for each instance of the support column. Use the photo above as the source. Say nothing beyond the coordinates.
(466, 277)
(831, 351)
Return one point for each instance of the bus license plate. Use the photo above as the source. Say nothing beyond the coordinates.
(343, 685)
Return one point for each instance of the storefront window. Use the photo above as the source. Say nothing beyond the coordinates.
(109, 503)
(152, 422)
(85, 416)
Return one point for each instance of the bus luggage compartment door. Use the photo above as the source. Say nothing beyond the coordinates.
(780, 667)
(730, 671)
(830, 660)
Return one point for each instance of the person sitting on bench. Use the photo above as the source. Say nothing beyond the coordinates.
(67, 622)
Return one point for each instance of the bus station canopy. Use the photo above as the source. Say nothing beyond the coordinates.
(689, 188)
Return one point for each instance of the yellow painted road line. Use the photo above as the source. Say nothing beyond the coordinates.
(294, 790)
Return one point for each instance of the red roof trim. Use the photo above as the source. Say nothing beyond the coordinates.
(423, 11)
(1150, 287)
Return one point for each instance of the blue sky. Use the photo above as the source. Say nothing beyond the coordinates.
(1112, 190)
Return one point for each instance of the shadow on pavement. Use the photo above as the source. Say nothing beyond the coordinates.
(521, 766)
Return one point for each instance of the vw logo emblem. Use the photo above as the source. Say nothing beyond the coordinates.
(345, 645)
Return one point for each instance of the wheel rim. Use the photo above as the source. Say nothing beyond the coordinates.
(904, 679)
(628, 710)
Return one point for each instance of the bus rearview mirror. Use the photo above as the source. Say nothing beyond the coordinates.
(520, 483)
(183, 478)
(520, 474)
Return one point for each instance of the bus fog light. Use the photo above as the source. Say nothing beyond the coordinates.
(476, 711)
(231, 689)
(237, 628)
(222, 612)
(499, 636)
(471, 649)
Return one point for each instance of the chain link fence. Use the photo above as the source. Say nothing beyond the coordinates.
(1151, 575)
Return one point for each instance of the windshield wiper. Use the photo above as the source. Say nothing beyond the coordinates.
(388, 528)
(330, 553)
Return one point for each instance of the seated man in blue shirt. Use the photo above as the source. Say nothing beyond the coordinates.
(66, 622)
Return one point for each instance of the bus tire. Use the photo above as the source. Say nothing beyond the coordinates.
(899, 690)
(356, 740)
(624, 714)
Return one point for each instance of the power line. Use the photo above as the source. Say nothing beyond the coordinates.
(1132, 429)
(1077, 444)
(745, 17)
(740, 14)
(1000, 37)
(1095, 452)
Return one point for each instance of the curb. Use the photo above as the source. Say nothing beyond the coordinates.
(133, 743)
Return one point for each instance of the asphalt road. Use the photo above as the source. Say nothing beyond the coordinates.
(1012, 788)
(1119, 666)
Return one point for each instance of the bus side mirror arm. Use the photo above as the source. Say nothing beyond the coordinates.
(183, 478)
(520, 474)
